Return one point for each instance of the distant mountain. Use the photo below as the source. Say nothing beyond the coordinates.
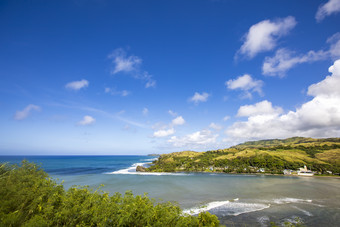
(270, 156)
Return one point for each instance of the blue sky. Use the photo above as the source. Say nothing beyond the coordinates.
(138, 77)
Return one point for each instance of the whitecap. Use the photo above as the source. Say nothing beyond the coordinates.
(263, 220)
(225, 208)
(132, 170)
(303, 211)
(291, 200)
(204, 208)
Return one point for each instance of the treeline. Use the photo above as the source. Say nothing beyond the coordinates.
(28, 197)
(244, 160)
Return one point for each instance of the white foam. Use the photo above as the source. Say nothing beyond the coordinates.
(132, 170)
(291, 200)
(303, 211)
(263, 220)
(224, 208)
(207, 207)
(149, 160)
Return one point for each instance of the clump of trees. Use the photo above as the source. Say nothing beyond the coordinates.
(28, 197)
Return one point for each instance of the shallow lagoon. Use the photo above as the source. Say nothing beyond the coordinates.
(252, 200)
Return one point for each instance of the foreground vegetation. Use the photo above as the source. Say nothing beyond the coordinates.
(265, 156)
(28, 197)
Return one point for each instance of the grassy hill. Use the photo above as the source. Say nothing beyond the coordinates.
(272, 156)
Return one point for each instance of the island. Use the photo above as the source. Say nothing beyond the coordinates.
(276, 156)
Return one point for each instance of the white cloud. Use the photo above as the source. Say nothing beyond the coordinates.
(199, 97)
(178, 121)
(334, 42)
(124, 63)
(87, 120)
(260, 108)
(164, 132)
(199, 139)
(283, 61)
(150, 83)
(77, 85)
(113, 91)
(247, 84)
(172, 113)
(145, 111)
(215, 126)
(263, 35)
(226, 118)
(21, 115)
(131, 65)
(331, 7)
(319, 117)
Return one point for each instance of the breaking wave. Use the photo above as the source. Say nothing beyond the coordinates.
(132, 171)
(225, 208)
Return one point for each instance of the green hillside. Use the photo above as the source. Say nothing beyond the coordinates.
(271, 156)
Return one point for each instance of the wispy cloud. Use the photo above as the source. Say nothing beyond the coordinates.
(246, 84)
(263, 36)
(197, 98)
(113, 91)
(145, 111)
(284, 59)
(77, 85)
(130, 64)
(115, 116)
(87, 120)
(329, 8)
(21, 115)
(215, 126)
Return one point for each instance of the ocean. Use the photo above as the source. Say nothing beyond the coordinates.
(237, 199)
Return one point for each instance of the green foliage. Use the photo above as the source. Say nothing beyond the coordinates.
(272, 156)
(29, 198)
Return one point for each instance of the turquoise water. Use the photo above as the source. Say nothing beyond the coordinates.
(252, 200)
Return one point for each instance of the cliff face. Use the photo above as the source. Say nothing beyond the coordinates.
(271, 156)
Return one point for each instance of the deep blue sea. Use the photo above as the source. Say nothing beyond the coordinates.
(238, 200)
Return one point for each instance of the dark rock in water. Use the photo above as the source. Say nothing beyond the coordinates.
(140, 169)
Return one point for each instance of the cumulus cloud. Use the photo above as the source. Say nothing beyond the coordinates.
(215, 126)
(199, 97)
(113, 91)
(319, 117)
(130, 64)
(284, 59)
(264, 35)
(164, 132)
(247, 84)
(87, 120)
(199, 139)
(331, 7)
(77, 85)
(260, 108)
(178, 121)
(21, 115)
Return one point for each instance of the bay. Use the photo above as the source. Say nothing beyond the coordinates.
(239, 200)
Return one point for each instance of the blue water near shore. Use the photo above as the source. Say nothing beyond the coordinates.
(239, 200)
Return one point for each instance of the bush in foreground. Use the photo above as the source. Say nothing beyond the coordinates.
(28, 197)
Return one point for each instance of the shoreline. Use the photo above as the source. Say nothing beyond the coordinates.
(266, 174)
